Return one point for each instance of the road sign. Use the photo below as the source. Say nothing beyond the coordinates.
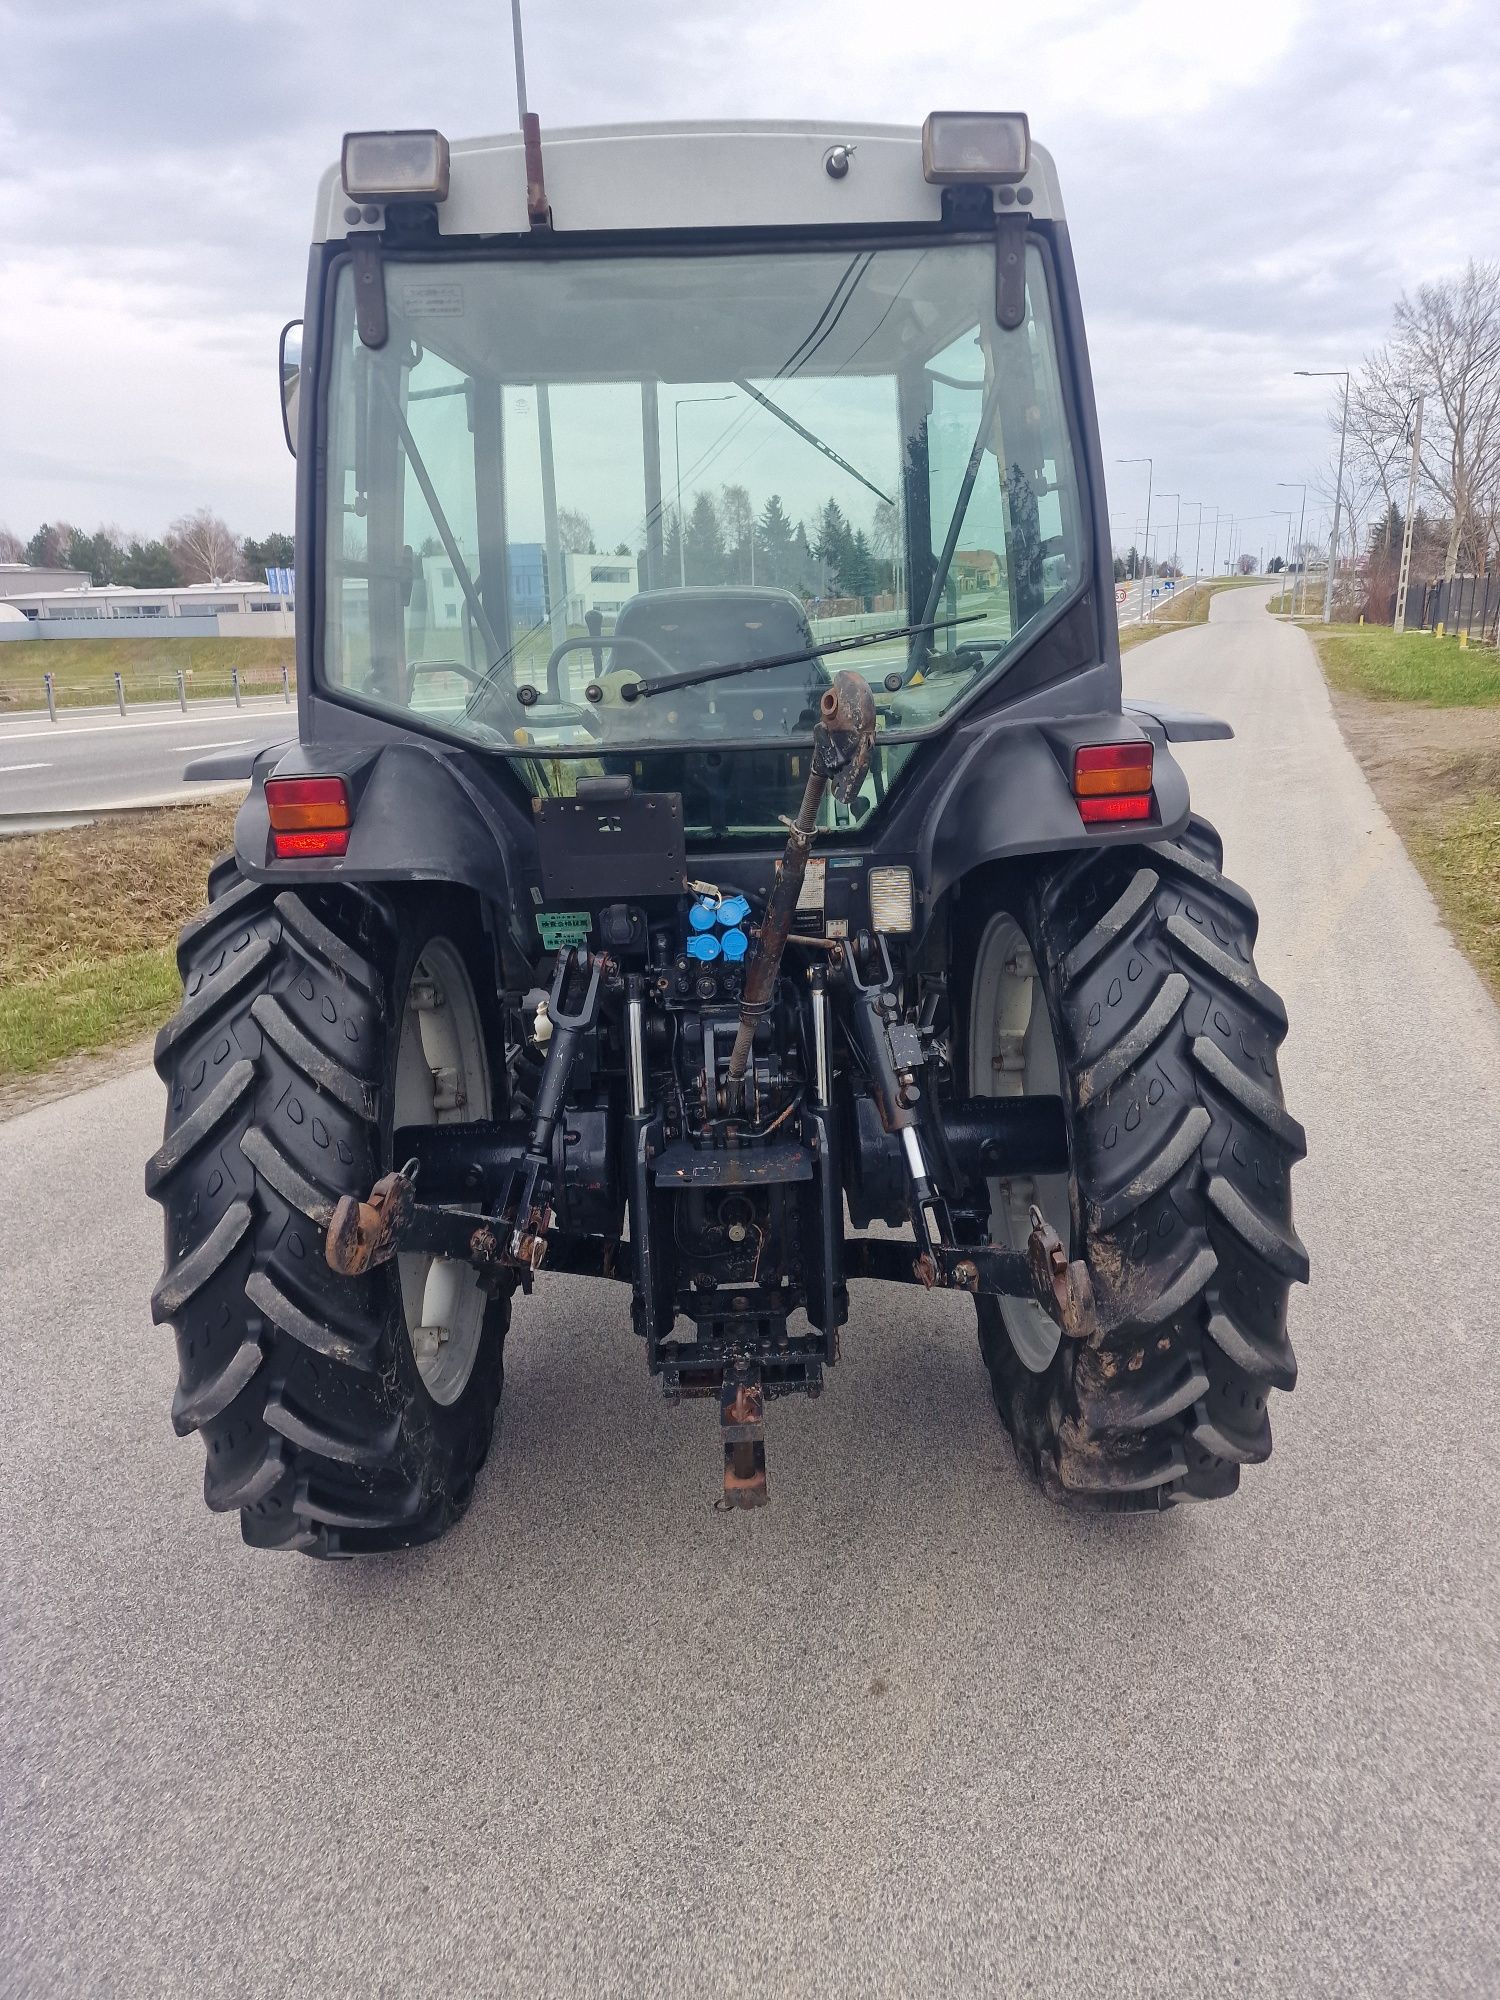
(1156, 590)
(1122, 591)
(1171, 583)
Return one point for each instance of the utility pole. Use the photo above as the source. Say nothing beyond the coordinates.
(1146, 538)
(1297, 486)
(1338, 487)
(1411, 509)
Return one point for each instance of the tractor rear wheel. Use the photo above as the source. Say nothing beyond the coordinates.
(1124, 981)
(339, 1416)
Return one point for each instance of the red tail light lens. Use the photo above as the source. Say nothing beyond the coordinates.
(1112, 781)
(310, 817)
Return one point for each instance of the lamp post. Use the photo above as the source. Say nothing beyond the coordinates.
(1178, 498)
(1213, 554)
(1146, 538)
(1338, 487)
(677, 409)
(1285, 514)
(1229, 558)
(1198, 544)
(1297, 486)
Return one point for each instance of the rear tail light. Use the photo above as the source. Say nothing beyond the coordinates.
(310, 817)
(1112, 781)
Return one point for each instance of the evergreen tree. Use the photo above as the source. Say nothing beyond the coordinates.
(777, 559)
(149, 566)
(705, 542)
(276, 551)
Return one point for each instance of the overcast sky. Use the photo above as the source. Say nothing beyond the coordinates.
(1249, 188)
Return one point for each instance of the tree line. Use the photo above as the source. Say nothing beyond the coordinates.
(724, 540)
(196, 548)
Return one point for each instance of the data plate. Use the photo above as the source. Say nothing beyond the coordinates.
(597, 850)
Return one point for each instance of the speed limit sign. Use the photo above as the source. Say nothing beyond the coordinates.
(1121, 593)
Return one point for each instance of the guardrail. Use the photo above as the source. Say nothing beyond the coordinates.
(156, 690)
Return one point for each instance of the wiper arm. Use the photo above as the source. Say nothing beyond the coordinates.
(813, 439)
(697, 676)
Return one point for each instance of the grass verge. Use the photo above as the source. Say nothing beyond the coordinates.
(88, 918)
(1423, 719)
(1458, 851)
(1382, 665)
(83, 670)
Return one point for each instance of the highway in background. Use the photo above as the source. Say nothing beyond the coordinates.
(95, 758)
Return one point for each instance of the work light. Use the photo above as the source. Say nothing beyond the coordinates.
(395, 166)
(987, 146)
(892, 899)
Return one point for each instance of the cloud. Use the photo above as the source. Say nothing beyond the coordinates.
(1248, 194)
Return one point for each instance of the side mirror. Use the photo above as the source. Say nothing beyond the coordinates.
(291, 380)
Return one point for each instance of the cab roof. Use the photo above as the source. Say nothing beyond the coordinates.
(731, 174)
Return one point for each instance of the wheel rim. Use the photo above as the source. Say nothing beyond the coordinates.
(442, 1078)
(1012, 1053)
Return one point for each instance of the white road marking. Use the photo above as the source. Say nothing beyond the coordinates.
(24, 767)
(55, 733)
(222, 743)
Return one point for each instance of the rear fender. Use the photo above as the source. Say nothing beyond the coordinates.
(1009, 793)
(420, 814)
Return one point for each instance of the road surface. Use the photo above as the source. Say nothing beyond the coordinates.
(908, 1731)
(97, 758)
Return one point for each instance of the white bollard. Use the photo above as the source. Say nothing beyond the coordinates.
(120, 692)
(51, 697)
(234, 681)
(182, 692)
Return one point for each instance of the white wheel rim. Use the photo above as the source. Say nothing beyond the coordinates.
(442, 1078)
(1012, 1053)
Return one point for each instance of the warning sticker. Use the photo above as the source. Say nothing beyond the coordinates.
(432, 298)
(810, 896)
(560, 928)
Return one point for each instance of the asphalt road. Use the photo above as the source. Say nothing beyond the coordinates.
(910, 1730)
(96, 758)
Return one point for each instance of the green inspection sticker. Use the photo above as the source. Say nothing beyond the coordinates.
(560, 928)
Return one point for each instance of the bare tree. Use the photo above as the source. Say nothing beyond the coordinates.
(12, 548)
(204, 547)
(1447, 342)
(574, 531)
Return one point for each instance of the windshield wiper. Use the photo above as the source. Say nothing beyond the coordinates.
(813, 439)
(697, 676)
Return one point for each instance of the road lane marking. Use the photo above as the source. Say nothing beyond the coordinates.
(60, 732)
(222, 743)
(24, 767)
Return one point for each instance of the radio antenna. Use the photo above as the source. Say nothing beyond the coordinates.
(515, 25)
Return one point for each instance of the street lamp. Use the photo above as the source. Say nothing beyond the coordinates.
(677, 409)
(1285, 514)
(1213, 554)
(1178, 498)
(1198, 545)
(1338, 487)
(1146, 538)
(1229, 559)
(1297, 486)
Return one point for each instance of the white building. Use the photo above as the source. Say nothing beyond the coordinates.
(227, 610)
(18, 579)
(597, 583)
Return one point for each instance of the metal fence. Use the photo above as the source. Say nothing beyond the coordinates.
(1465, 604)
(145, 690)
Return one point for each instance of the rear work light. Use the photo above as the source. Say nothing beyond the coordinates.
(1112, 781)
(310, 817)
(395, 166)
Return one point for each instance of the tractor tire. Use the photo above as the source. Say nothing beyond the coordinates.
(321, 1428)
(1161, 1040)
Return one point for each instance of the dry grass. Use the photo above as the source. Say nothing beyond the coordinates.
(83, 670)
(88, 917)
